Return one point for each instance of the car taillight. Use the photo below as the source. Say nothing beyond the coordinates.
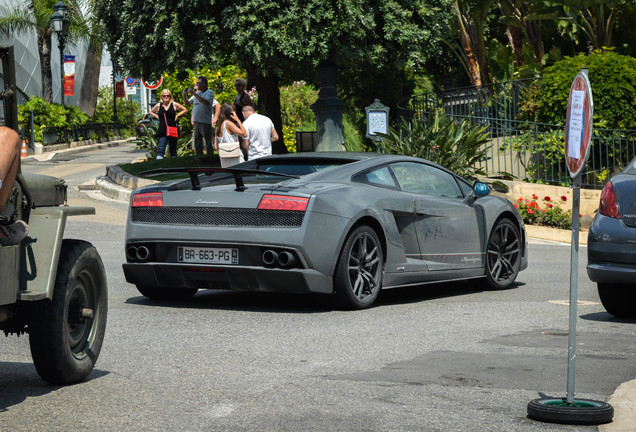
(154, 199)
(283, 202)
(608, 205)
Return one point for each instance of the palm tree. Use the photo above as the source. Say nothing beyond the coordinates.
(36, 15)
(471, 15)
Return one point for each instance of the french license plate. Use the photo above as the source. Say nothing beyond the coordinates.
(200, 255)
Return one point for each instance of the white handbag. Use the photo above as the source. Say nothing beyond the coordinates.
(230, 150)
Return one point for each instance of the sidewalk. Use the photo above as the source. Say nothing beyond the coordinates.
(118, 185)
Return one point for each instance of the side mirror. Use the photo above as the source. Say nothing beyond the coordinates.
(481, 189)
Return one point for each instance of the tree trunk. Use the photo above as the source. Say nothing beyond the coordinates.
(514, 39)
(268, 102)
(44, 50)
(90, 80)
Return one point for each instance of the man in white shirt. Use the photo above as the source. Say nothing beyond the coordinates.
(260, 134)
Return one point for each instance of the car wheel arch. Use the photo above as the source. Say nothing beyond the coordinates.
(374, 224)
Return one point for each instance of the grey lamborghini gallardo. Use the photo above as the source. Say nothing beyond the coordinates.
(342, 224)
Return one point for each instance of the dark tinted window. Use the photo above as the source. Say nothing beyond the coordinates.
(377, 177)
(425, 179)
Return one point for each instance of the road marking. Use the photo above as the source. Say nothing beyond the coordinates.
(578, 302)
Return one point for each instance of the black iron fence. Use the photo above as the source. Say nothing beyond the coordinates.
(523, 149)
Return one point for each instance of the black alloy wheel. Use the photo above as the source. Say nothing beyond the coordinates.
(358, 276)
(503, 255)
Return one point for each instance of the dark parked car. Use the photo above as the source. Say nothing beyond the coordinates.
(343, 224)
(611, 250)
(147, 123)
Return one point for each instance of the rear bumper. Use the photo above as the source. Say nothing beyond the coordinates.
(611, 252)
(240, 278)
(612, 273)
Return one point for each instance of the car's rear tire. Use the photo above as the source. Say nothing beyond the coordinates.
(358, 276)
(619, 300)
(163, 293)
(66, 333)
(503, 255)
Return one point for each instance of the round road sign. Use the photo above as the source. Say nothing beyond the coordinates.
(578, 123)
(130, 81)
(152, 85)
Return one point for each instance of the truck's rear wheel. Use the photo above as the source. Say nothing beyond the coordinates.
(66, 333)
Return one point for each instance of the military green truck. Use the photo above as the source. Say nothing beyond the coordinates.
(52, 288)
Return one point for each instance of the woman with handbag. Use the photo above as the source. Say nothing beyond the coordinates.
(167, 112)
(226, 136)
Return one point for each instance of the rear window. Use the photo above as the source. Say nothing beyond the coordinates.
(299, 168)
(631, 168)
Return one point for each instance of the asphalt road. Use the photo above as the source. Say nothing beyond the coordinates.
(443, 357)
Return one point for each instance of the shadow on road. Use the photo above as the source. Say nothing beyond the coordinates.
(19, 381)
(307, 303)
(605, 316)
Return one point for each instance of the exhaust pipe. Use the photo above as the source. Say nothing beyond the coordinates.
(143, 253)
(269, 257)
(131, 253)
(286, 259)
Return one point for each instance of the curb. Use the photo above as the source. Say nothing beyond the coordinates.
(70, 150)
(112, 190)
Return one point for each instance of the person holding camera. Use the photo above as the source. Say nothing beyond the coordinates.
(202, 101)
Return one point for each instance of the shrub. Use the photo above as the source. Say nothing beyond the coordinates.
(551, 214)
(613, 81)
(104, 109)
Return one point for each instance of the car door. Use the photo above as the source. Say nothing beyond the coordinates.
(401, 231)
(448, 230)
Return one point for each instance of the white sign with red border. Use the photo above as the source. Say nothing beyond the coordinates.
(152, 85)
(578, 123)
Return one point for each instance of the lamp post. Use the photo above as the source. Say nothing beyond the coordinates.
(60, 25)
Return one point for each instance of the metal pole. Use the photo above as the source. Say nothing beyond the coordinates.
(115, 119)
(32, 143)
(574, 280)
(61, 42)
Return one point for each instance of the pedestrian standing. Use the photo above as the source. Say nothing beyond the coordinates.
(167, 112)
(229, 129)
(242, 99)
(202, 101)
(260, 134)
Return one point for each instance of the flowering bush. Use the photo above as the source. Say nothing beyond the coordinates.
(547, 214)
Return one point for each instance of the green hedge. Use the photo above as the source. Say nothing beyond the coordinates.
(613, 80)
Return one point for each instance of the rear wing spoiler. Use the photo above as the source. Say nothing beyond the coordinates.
(194, 172)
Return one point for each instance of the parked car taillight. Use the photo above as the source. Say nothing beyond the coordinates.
(283, 202)
(154, 199)
(608, 205)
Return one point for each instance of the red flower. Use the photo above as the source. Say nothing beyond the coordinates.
(534, 204)
(547, 198)
(543, 210)
(564, 198)
(534, 196)
(530, 211)
(519, 200)
(550, 205)
(516, 206)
